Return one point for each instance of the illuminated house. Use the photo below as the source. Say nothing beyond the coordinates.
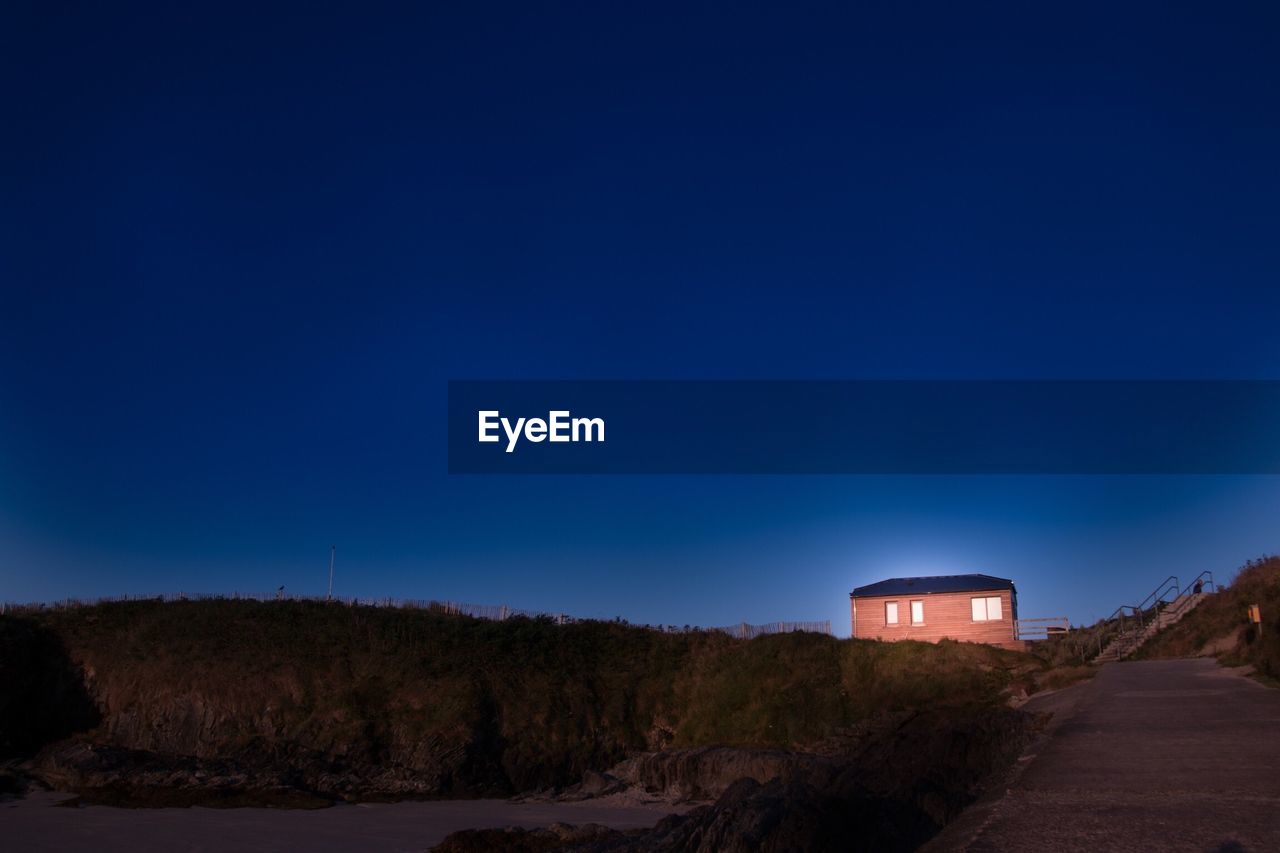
(975, 608)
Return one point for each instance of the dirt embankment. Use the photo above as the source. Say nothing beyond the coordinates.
(1220, 627)
(42, 692)
(234, 702)
(891, 788)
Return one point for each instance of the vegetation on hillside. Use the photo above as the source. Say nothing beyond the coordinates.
(1221, 626)
(434, 703)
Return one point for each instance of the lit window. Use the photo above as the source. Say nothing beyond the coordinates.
(891, 613)
(987, 609)
(917, 612)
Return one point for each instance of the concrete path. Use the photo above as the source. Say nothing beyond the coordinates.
(1151, 755)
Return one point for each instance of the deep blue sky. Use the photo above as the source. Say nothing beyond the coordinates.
(243, 249)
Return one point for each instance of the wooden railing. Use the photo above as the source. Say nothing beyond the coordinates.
(1040, 629)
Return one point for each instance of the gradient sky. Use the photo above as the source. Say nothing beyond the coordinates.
(242, 249)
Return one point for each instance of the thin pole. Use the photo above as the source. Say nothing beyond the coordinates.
(333, 550)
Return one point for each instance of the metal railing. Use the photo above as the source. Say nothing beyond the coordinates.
(1157, 599)
(1117, 625)
(1133, 620)
(1205, 581)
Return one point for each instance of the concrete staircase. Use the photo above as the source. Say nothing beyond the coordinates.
(1130, 640)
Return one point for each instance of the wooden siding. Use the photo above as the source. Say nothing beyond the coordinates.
(946, 615)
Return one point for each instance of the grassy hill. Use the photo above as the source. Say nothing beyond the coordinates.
(1220, 624)
(362, 701)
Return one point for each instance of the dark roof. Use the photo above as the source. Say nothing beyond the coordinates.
(925, 586)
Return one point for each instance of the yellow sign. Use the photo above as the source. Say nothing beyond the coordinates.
(1255, 613)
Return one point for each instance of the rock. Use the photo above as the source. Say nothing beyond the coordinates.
(704, 773)
(600, 784)
(892, 793)
(13, 783)
(558, 836)
(42, 691)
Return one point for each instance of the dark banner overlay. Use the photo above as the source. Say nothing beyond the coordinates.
(864, 427)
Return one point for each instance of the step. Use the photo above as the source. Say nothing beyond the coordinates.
(1125, 644)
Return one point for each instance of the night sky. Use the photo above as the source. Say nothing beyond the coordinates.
(244, 248)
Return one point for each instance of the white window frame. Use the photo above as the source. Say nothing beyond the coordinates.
(981, 608)
(917, 606)
(894, 620)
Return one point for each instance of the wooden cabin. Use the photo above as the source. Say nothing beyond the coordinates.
(973, 608)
